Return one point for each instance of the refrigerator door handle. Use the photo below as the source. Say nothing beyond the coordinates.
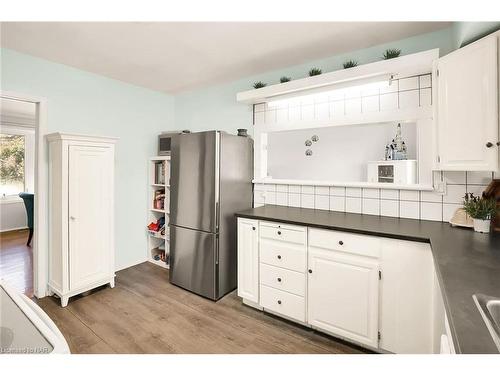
(217, 180)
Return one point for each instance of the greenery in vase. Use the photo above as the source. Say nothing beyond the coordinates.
(285, 79)
(259, 85)
(350, 64)
(315, 72)
(391, 53)
(479, 207)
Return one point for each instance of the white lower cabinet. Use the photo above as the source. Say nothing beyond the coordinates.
(374, 291)
(343, 295)
(248, 259)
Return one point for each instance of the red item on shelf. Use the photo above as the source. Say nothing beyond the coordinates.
(154, 227)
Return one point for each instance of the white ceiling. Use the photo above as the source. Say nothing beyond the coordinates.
(176, 56)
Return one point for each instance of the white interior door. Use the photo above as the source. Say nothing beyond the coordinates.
(343, 295)
(90, 214)
(467, 107)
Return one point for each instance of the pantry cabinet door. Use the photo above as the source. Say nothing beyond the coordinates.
(248, 259)
(343, 295)
(467, 107)
(90, 211)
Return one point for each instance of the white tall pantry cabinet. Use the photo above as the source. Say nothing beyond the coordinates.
(81, 213)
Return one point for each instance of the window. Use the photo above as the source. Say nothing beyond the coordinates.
(12, 164)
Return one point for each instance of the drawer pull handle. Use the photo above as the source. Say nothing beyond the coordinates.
(341, 243)
(279, 233)
(310, 271)
(489, 144)
(279, 302)
(279, 279)
(279, 256)
(253, 228)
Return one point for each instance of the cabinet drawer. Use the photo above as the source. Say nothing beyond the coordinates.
(346, 242)
(283, 279)
(281, 254)
(283, 303)
(284, 233)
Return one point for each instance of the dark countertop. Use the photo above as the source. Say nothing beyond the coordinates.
(466, 262)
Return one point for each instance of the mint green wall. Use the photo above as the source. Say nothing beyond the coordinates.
(467, 32)
(216, 107)
(82, 102)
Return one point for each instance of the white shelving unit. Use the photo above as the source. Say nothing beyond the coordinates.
(158, 183)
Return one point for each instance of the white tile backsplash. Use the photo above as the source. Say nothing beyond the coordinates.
(410, 83)
(454, 194)
(353, 205)
(430, 196)
(431, 211)
(337, 203)
(370, 104)
(270, 197)
(389, 194)
(409, 195)
(371, 206)
(294, 200)
(337, 190)
(282, 115)
(449, 210)
(425, 97)
(337, 109)
(456, 178)
(353, 106)
(307, 113)
(322, 190)
(322, 202)
(307, 189)
(307, 200)
(389, 102)
(281, 199)
(389, 208)
(371, 193)
(408, 99)
(409, 209)
(479, 178)
(425, 81)
(353, 192)
(322, 111)
(410, 204)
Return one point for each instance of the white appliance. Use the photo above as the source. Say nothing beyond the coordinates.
(81, 213)
(400, 172)
(25, 328)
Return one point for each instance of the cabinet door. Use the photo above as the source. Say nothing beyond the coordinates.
(467, 107)
(248, 259)
(90, 213)
(343, 295)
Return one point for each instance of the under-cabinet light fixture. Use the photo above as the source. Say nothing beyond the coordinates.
(336, 89)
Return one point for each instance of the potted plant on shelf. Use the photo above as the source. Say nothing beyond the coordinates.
(481, 210)
(350, 64)
(391, 53)
(285, 79)
(314, 72)
(259, 85)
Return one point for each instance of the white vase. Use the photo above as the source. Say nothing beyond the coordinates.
(482, 226)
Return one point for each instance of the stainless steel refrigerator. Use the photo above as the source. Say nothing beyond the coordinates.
(211, 179)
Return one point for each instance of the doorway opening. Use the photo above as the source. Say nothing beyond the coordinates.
(20, 226)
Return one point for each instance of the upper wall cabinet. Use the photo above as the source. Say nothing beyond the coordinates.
(467, 107)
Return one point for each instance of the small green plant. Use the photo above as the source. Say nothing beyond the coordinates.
(350, 64)
(315, 72)
(480, 207)
(259, 85)
(391, 53)
(285, 79)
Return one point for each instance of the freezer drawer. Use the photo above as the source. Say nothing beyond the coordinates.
(193, 260)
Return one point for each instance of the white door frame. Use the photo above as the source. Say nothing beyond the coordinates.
(40, 235)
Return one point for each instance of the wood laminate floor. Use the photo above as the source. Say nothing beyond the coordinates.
(144, 313)
(16, 261)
